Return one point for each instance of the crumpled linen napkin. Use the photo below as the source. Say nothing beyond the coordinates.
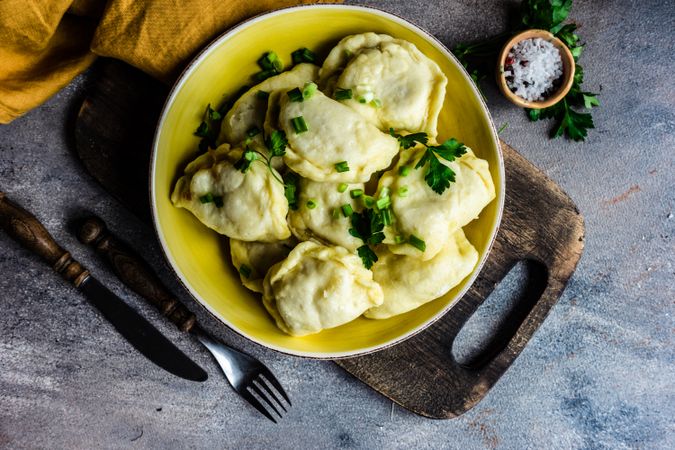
(44, 44)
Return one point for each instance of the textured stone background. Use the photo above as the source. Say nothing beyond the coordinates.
(600, 372)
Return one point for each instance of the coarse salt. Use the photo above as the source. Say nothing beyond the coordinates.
(533, 69)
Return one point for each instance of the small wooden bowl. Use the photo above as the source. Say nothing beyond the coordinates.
(567, 76)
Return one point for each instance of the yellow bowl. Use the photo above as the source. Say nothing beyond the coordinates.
(200, 257)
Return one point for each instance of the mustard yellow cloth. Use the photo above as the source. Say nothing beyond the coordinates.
(44, 44)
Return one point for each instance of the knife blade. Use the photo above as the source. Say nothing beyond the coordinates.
(28, 231)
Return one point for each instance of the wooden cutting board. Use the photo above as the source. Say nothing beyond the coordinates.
(541, 226)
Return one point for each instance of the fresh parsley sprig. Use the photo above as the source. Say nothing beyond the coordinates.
(367, 226)
(438, 176)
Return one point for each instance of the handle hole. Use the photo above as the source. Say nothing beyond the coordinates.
(494, 323)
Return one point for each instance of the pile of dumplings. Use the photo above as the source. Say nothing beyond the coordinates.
(304, 261)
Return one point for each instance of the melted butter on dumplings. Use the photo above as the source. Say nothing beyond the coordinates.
(258, 257)
(335, 133)
(249, 110)
(318, 287)
(254, 205)
(394, 85)
(326, 222)
(408, 283)
(428, 215)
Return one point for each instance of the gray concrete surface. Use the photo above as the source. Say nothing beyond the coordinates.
(600, 372)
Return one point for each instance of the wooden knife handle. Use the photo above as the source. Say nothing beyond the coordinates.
(134, 272)
(29, 232)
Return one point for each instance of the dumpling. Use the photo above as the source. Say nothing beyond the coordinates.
(248, 206)
(249, 110)
(335, 134)
(325, 221)
(342, 53)
(393, 84)
(253, 259)
(427, 215)
(408, 283)
(318, 287)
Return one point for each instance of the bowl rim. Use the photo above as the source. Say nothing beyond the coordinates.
(569, 67)
(177, 86)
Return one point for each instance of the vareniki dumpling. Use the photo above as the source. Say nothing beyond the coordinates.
(393, 84)
(408, 283)
(249, 110)
(427, 215)
(253, 259)
(335, 134)
(318, 287)
(248, 206)
(324, 218)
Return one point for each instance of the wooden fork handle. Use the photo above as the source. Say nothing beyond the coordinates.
(29, 232)
(134, 272)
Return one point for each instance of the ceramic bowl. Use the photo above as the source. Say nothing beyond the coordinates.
(200, 257)
(567, 76)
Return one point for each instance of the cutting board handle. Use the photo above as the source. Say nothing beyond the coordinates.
(26, 229)
(536, 283)
(134, 272)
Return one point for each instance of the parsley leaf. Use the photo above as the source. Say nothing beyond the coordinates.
(368, 227)
(367, 255)
(247, 158)
(545, 14)
(439, 176)
(291, 190)
(409, 140)
(276, 143)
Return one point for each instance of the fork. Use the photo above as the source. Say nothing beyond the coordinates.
(246, 374)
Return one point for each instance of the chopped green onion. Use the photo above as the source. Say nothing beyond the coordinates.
(336, 213)
(362, 100)
(368, 201)
(376, 103)
(342, 187)
(342, 166)
(386, 217)
(383, 203)
(212, 114)
(218, 200)
(342, 94)
(398, 239)
(295, 95)
(245, 271)
(270, 61)
(385, 192)
(311, 203)
(404, 171)
(356, 193)
(347, 210)
(416, 242)
(250, 155)
(348, 54)
(263, 75)
(262, 95)
(299, 124)
(253, 131)
(207, 198)
(303, 55)
(403, 191)
(309, 90)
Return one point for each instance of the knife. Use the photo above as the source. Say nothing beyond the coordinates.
(28, 231)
